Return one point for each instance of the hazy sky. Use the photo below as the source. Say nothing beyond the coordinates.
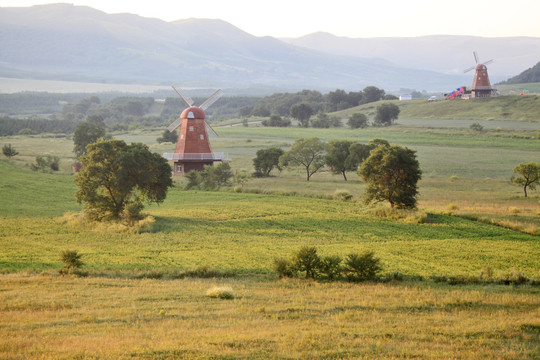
(352, 18)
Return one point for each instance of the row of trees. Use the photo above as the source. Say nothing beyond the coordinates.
(391, 172)
(282, 103)
(385, 115)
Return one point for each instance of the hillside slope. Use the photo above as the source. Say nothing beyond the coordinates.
(519, 108)
(531, 75)
(67, 42)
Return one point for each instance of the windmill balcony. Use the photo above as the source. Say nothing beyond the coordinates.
(197, 156)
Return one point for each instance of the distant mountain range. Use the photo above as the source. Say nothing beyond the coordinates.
(66, 42)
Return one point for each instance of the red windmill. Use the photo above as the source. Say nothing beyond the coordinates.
(193, 150)
(481, 87)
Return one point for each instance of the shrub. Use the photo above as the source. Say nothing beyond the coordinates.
(330, 267)
(72, 262)
(476, 127)
(362, 267)
(307, 260)
(223, 292)
(193, 178)
(9, 151)
(284, 267)
(342, 195)
(46, 163)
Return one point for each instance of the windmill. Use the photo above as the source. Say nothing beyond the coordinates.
(481, 87)
(193, 150)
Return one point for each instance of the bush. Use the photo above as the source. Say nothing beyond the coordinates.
(476, 127)
(46, 163)
(330, 267)
(223, 292)
(284, 267)
(72, 262)
(362, 267)
(307, 260)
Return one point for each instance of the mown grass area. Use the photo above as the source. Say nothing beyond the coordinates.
(245, 232)
(50, 317)
(508, 107)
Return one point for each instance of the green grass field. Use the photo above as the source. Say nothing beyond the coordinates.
(113, 314)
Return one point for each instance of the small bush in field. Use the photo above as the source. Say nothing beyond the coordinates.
(221, 292)
(330, 267)
(362, 267)
(72, 261)
(284, 267)
(306, 259)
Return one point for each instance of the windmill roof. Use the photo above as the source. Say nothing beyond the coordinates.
(193, 112)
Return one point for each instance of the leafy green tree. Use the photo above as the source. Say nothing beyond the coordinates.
(529, 176)
(261, 111)
(336, 158)
(309, 153)
(46, 163)
(72, 261)
(115, 175)
(321, 121)
(86, 133)
(168, 136)
(302, 112)
(386, 114)
(372, 94)
(362, 267)
(267, 160)
(330, 267)
(357, 121)
(391, 174)
(9, 151)
(376, 142)
(357, 154)
(307, 259)
(276, 121)
(96, 119)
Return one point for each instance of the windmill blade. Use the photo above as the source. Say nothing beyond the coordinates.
(487, 62)
(186, 98)
(475, 56)
(212, 99)
(469, 69)
(175, 124)
(211, 128)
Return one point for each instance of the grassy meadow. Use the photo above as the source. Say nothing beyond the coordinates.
(471, 219)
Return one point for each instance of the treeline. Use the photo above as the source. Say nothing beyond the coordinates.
(12, 126)
(282, 103)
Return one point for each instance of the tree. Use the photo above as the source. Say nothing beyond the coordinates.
(362, 267)
(357, 154)
(46, 163)
(86, 133)
(307, 259)
(302, 112)
(309, 153)
(276, 121)
(168, 136)
(391, 174)
(386, 114)
(529, 176)
(266, 160)
(336, 158)
(372, 94)
(357, 121)
(321, 121)
(9, 151)
(115, 175)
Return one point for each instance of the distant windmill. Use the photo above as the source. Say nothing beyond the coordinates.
(481, 86)
(193, 149)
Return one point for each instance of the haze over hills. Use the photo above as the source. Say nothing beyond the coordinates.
(66, 42)
(449, 54)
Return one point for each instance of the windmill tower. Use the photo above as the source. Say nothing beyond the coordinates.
(481, 87)
(193, 150)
